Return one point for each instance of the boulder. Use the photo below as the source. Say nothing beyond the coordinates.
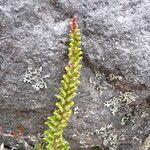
(112, 106)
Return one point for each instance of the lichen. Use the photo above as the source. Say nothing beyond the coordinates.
(124, 99)
(127, 118)
(113, 104)
(113, 77)
(127, 97)
(76, 110)
(108, 134)
(34, 77)
(99, 81)
(146, 144)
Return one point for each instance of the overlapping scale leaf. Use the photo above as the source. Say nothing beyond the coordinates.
(69, 83)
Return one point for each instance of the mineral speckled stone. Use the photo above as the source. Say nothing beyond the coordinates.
(112, 107)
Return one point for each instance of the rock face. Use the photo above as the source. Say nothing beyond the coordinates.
(112, 108)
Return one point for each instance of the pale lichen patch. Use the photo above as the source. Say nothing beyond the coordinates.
(116, 103)
(113, 77)
(127, 97)
(113, 105)
(35, 78)
(127, 118)
(109, 136)
(76, 110)
(99, 82)
(146, 144)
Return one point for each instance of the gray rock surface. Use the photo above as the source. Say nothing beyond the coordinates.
(112, 108)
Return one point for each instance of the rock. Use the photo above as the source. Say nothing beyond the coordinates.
(112, 105)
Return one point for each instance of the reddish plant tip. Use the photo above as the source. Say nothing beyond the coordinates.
(73, 23)
(1, 129)
(13, 133)
(70, 65)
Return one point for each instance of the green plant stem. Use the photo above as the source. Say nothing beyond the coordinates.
(58, 121)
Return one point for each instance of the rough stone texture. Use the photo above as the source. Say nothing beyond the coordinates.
(112, 107)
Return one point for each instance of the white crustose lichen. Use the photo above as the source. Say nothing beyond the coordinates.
(34, 77)
(109, 136)
(115, 103)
